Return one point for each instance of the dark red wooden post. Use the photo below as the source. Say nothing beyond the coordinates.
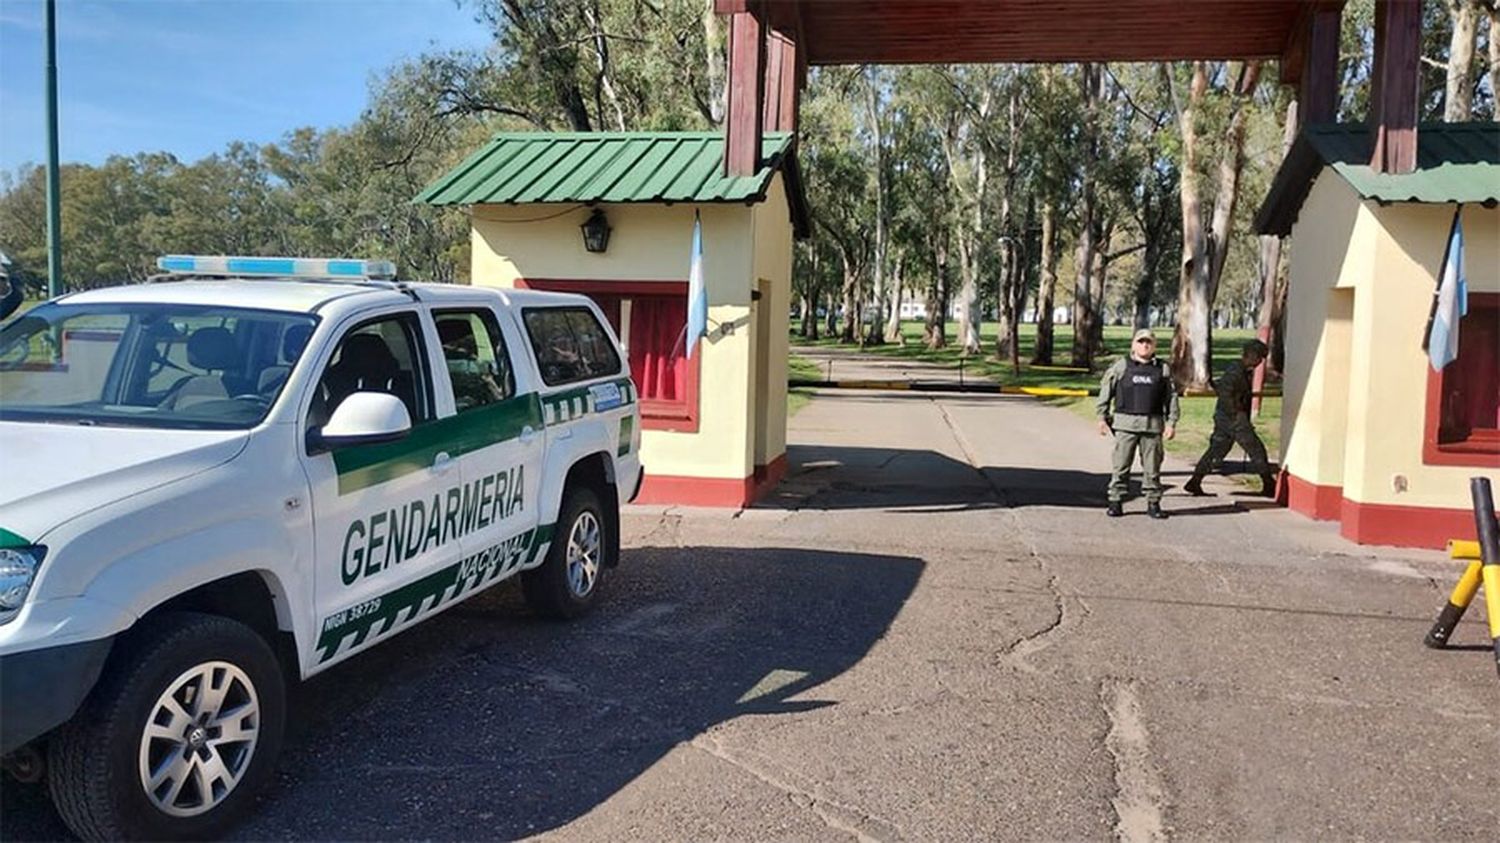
(1393, 91)
(783, 83)
(1317, 101)
(747, 78)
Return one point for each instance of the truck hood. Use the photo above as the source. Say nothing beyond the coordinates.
(51, 473)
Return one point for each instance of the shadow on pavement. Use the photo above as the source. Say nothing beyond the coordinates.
(851, 477)
(486, 723)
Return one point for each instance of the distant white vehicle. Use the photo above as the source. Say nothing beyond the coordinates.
(210, 484)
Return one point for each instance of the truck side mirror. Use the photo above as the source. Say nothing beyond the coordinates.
(363, 418)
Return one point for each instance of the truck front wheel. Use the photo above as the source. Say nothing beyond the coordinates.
(567, 583)
(181, 732)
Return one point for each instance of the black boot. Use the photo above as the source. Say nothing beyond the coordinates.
(1153, 509)
(1115, 510)
(1194, 486)
(1268, 485)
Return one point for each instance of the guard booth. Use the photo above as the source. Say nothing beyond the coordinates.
(1372, 436)
(610, 216)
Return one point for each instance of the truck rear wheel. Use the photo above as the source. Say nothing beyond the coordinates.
(181, 732)
(567, 583)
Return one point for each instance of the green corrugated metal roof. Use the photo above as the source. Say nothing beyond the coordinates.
(1456, 163)
(542, 167)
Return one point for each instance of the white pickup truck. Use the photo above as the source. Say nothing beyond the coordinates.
(255, 468)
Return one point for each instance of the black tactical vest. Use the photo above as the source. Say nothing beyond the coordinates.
(1142, 389)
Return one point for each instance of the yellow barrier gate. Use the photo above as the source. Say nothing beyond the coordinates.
(1480, 573)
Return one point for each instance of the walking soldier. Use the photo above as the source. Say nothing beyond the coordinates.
(1145, 412)
(1232, 423)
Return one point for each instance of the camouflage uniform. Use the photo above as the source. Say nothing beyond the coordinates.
(1232, 424)
(1136, 433)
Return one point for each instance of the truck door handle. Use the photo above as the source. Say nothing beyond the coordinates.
(528, 433)
(442, 462)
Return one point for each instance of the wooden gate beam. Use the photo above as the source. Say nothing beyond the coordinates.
(1394, 85)
(747, 83)
(1310, 60)
(785, 68)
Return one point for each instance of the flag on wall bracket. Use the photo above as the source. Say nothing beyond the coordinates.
(697, 309)
(1450, 302)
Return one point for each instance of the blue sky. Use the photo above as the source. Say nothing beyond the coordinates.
(189, 76)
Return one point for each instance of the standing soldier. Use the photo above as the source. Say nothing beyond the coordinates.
(1145, 412)
(1232, 423)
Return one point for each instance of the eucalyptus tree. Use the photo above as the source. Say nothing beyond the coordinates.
(837, 166)
(590, 65)
(1052, 133)
(1212, 102)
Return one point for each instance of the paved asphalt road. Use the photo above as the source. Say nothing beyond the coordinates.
(930, 632)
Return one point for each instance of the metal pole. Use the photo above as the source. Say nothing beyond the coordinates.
(54, 191)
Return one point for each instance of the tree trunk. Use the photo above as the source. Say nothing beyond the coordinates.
(969, 314)
(881, 329)
(937, 303)
(715, 77)
(601, 61)
(851, 303)
(1458, 106)
(1083, 302)
(1205, 247)
(1097, 281)
(1495, 59)
(1042, 356)
(1146, 288)
(809, 317)
(893, 332)
(1268, 316)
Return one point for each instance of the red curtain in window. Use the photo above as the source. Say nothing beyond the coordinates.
(1472, 382)
(658, 362)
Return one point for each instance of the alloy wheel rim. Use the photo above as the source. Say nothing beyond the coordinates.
(199, 738)
(584, 544)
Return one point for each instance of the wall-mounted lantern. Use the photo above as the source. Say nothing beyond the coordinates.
(596, 232)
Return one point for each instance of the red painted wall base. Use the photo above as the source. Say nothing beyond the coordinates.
(1321, 503)
(712, 491)
(1378, 523)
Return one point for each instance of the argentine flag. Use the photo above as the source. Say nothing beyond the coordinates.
(1451, 305)
(697, 309)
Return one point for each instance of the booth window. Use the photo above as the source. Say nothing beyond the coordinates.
(1463, 400)
(650, 318)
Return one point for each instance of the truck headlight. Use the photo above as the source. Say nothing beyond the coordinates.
(17, 570)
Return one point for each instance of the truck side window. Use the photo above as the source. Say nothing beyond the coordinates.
(478, 365)
(570, 344)
(382, 355)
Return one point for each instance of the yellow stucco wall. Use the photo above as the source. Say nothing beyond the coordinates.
(653, 243)
(1354, 415)
(773, 275)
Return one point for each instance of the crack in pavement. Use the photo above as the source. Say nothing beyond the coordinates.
(861, 825)
(1063, 621)
(1140, 797)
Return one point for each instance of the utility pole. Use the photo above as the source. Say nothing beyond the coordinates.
(54, 191)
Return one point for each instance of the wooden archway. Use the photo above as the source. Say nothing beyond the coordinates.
(773, 42)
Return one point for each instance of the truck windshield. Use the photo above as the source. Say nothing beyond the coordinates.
(148, 365)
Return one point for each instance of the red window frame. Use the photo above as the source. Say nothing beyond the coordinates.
(680, 415)
(1481, 448)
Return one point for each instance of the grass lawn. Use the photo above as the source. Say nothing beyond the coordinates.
(799, 368)
(1197, 413)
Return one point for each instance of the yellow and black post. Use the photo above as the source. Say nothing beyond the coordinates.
(1483, 572)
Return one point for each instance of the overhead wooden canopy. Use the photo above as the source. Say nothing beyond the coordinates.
(1002, 31)
(772, 43)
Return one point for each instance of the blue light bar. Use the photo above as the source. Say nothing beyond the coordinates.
(254, 267)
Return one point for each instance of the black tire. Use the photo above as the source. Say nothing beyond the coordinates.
(94, 760)
(548, 589)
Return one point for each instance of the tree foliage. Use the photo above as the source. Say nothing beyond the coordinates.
(1008, 191)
